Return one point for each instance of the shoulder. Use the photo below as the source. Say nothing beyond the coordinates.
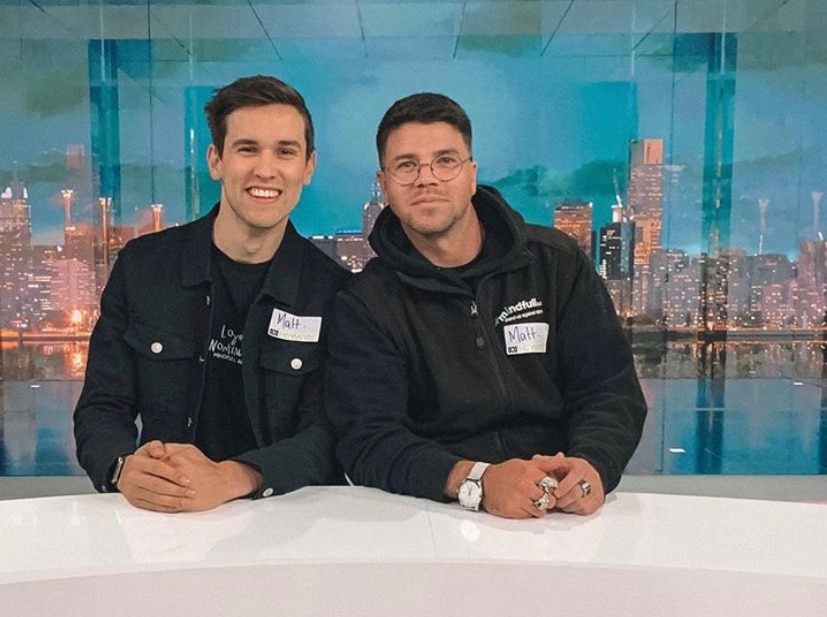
(551, 239)
(163, 242)
(377, 278)
(318, 264)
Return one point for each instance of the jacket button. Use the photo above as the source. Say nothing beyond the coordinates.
(267, 492)
(156, 347)
(296, 363)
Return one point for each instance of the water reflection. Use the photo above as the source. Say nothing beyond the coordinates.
(719, 407)
(41, 384)
(735, 407)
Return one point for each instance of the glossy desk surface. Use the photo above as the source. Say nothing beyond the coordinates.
(357, 551)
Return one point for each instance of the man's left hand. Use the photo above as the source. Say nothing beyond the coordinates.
(214, 483)
(580, 490)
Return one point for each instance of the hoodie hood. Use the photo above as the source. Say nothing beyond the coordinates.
(505, 243)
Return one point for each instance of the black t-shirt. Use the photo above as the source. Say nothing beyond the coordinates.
(224, 429)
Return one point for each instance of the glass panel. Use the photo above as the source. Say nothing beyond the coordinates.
(679, 140)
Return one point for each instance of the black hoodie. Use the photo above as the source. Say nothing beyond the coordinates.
(518, 353)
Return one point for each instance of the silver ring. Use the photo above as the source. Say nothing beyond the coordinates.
(548, 484)
(542, 503)
(586, 487)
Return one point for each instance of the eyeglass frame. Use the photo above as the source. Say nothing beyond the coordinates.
(430, 164)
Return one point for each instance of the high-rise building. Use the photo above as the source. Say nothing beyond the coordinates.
(616, 261)
(811, 283)
(40, 283)
(645, 195)
(372, 209)
(15, 254)
(351, 250)
(73, 289)
(645, 208)
(80, 241)
(575, 219)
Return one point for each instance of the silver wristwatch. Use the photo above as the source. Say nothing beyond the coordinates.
(116, 472)
(470, 491)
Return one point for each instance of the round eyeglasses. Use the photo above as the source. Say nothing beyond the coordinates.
(444, 167)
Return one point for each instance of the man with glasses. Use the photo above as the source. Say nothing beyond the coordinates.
(478, 358)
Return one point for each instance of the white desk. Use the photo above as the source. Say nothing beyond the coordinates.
(359, 552)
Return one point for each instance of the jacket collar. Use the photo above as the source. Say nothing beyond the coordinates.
(282, 279)
(393, 247)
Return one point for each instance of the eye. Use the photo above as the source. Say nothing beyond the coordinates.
(405, 166)
(447, 160)
(287, 153)
(246, 149)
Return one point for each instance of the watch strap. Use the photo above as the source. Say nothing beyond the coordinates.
(477, 470)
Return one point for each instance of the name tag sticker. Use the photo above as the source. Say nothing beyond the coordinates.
(289, 327)
(524, 338)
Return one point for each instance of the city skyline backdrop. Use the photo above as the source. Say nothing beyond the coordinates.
(54, 288)
(105, 99)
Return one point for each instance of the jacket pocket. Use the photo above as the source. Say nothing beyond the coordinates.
(164, 365)
(292, 384)
(157, 345)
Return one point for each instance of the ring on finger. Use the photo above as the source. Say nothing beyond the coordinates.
(548, 484)
(585, 487)
(542, 502)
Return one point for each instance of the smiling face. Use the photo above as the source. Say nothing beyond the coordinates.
(430, 210)
(262, 171)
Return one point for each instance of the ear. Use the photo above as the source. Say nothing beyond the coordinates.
(473, 172)
(214, 162)
(381, 178)
(309, 168)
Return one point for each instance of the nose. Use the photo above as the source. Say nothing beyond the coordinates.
(425, 168)
(266, 165)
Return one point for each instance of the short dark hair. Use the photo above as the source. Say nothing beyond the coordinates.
(424, 107)
(255, 91)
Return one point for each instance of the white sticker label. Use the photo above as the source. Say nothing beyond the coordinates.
(525, 338)
(289, 327)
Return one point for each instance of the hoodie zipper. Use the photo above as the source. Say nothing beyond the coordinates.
(480, 341)
(479, 335)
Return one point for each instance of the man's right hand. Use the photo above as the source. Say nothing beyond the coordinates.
(148, 481)
(510, 488)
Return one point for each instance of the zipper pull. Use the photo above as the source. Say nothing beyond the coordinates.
(479, 339)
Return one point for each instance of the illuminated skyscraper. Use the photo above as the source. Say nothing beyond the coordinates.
(616, 248)
(351, 250)
(645, 209)
(575, 219)
(73, 287)
(15, 253)
(79, 240)
(645, 198)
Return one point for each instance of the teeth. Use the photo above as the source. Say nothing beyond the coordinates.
(265, 193)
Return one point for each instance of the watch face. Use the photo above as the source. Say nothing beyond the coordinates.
(470, 494)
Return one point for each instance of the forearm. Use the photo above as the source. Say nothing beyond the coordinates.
(395, 460)
(306, 459)
(240, 480)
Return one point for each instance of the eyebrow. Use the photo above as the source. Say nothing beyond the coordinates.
(254, 142)
(402, 157)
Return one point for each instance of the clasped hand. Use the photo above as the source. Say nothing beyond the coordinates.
(511, 488)
(171, 477)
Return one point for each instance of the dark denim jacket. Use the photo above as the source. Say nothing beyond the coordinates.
(146, 358)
